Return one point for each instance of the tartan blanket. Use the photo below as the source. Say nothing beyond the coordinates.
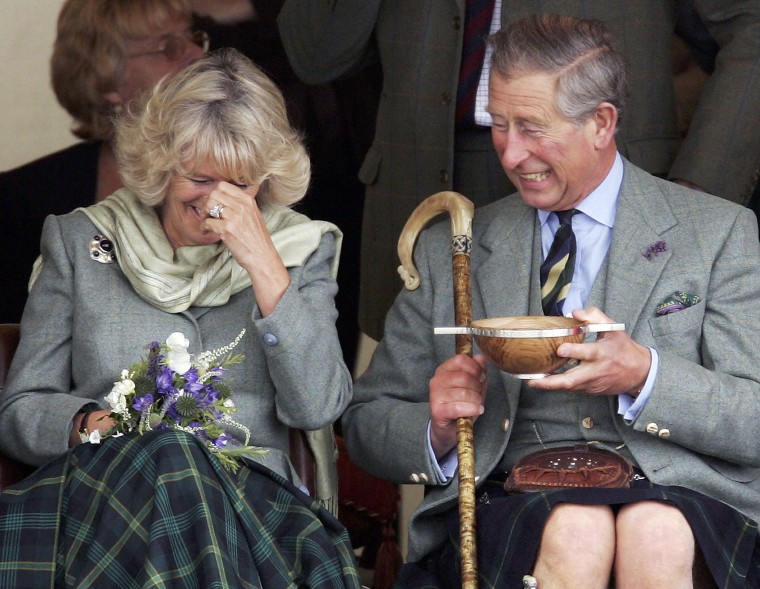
(158, 510)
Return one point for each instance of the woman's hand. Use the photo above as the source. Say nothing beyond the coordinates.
(99, 419)
(457, 389)
(242, 228)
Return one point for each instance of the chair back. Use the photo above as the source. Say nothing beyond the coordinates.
(11, 471)
(9, 334)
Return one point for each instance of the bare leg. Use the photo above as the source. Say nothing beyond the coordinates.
(655, 547)
(577, 548)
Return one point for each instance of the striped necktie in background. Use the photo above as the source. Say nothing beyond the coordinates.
(557, 269)
(477, 23)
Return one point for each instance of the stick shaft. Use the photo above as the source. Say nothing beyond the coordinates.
(465, 444)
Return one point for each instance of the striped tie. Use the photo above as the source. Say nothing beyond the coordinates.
(477, 23)
(557, 268)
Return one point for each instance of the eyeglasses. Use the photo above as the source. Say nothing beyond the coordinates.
(174, 48)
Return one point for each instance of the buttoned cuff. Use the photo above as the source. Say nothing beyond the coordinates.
(630, 407)
(445, 469)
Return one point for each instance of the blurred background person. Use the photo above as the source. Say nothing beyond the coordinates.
(104, 55)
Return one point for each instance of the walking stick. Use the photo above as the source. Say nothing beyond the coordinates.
(461, 210)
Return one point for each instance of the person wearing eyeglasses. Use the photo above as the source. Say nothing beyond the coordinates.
(105, 54)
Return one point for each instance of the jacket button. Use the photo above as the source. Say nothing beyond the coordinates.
(652, 428)
(423, 477)
(457, 23)
(444, 177)
(415, 477)
(664, 433)
(587, 422)
(270, 339)
(445, 98)
(505, 425)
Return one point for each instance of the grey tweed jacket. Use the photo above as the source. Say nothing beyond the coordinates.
(83, 324)
(700, 428)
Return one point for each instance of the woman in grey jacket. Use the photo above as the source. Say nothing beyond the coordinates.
(201, 241)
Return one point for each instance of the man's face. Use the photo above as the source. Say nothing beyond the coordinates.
(553, 162)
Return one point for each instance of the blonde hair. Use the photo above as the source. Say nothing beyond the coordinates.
(222, 110)
(89, 54)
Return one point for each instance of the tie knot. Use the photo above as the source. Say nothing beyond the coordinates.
(565, 217)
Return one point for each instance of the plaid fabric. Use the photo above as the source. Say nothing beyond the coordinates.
(158, 511)
(509, 531)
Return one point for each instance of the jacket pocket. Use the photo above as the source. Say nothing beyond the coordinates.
(735, 472)
(683, 321)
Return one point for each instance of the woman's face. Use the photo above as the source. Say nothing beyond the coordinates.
(184, 210)
(150, 58)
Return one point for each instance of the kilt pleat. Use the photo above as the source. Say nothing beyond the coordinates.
(158, 510)
(509, 531)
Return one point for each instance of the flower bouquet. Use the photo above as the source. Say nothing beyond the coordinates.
(170, 389)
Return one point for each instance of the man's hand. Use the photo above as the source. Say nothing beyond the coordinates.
(612, 365)
(457, 389)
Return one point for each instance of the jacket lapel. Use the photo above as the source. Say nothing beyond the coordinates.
(634, 268)
(502, 263)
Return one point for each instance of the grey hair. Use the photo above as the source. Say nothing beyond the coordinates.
(223, 110)
(579, 52)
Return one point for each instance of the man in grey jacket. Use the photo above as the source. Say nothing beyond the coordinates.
(677, 393)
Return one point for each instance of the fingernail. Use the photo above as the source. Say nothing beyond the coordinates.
(482, 410)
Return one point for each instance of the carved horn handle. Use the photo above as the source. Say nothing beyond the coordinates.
(460, 210)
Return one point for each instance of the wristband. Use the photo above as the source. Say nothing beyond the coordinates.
(84, 433)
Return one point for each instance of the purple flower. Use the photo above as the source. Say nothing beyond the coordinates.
(164, 384)
(655, 250)
(143, 403)
(222, 441)
(192, 385)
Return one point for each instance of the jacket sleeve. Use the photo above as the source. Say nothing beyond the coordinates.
(304, 357)
(721, 152)
(328, 39)
(37, 408)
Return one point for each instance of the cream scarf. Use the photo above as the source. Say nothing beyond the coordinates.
(193, 276)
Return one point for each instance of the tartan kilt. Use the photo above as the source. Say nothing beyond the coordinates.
(509, 531)
(158, 510)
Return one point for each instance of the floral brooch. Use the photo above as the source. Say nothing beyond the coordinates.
(655, 250)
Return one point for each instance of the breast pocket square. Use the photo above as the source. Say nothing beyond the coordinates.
(676, 302)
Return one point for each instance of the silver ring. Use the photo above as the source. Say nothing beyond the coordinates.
(216, 211)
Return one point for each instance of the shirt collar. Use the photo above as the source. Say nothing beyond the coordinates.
(601, 204)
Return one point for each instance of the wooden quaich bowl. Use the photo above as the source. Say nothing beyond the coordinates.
(526, 346)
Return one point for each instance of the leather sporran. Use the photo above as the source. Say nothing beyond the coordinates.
(571, 467)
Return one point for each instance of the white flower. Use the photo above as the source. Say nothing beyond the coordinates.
(178, 358)
(94, 437)
(117, 398)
